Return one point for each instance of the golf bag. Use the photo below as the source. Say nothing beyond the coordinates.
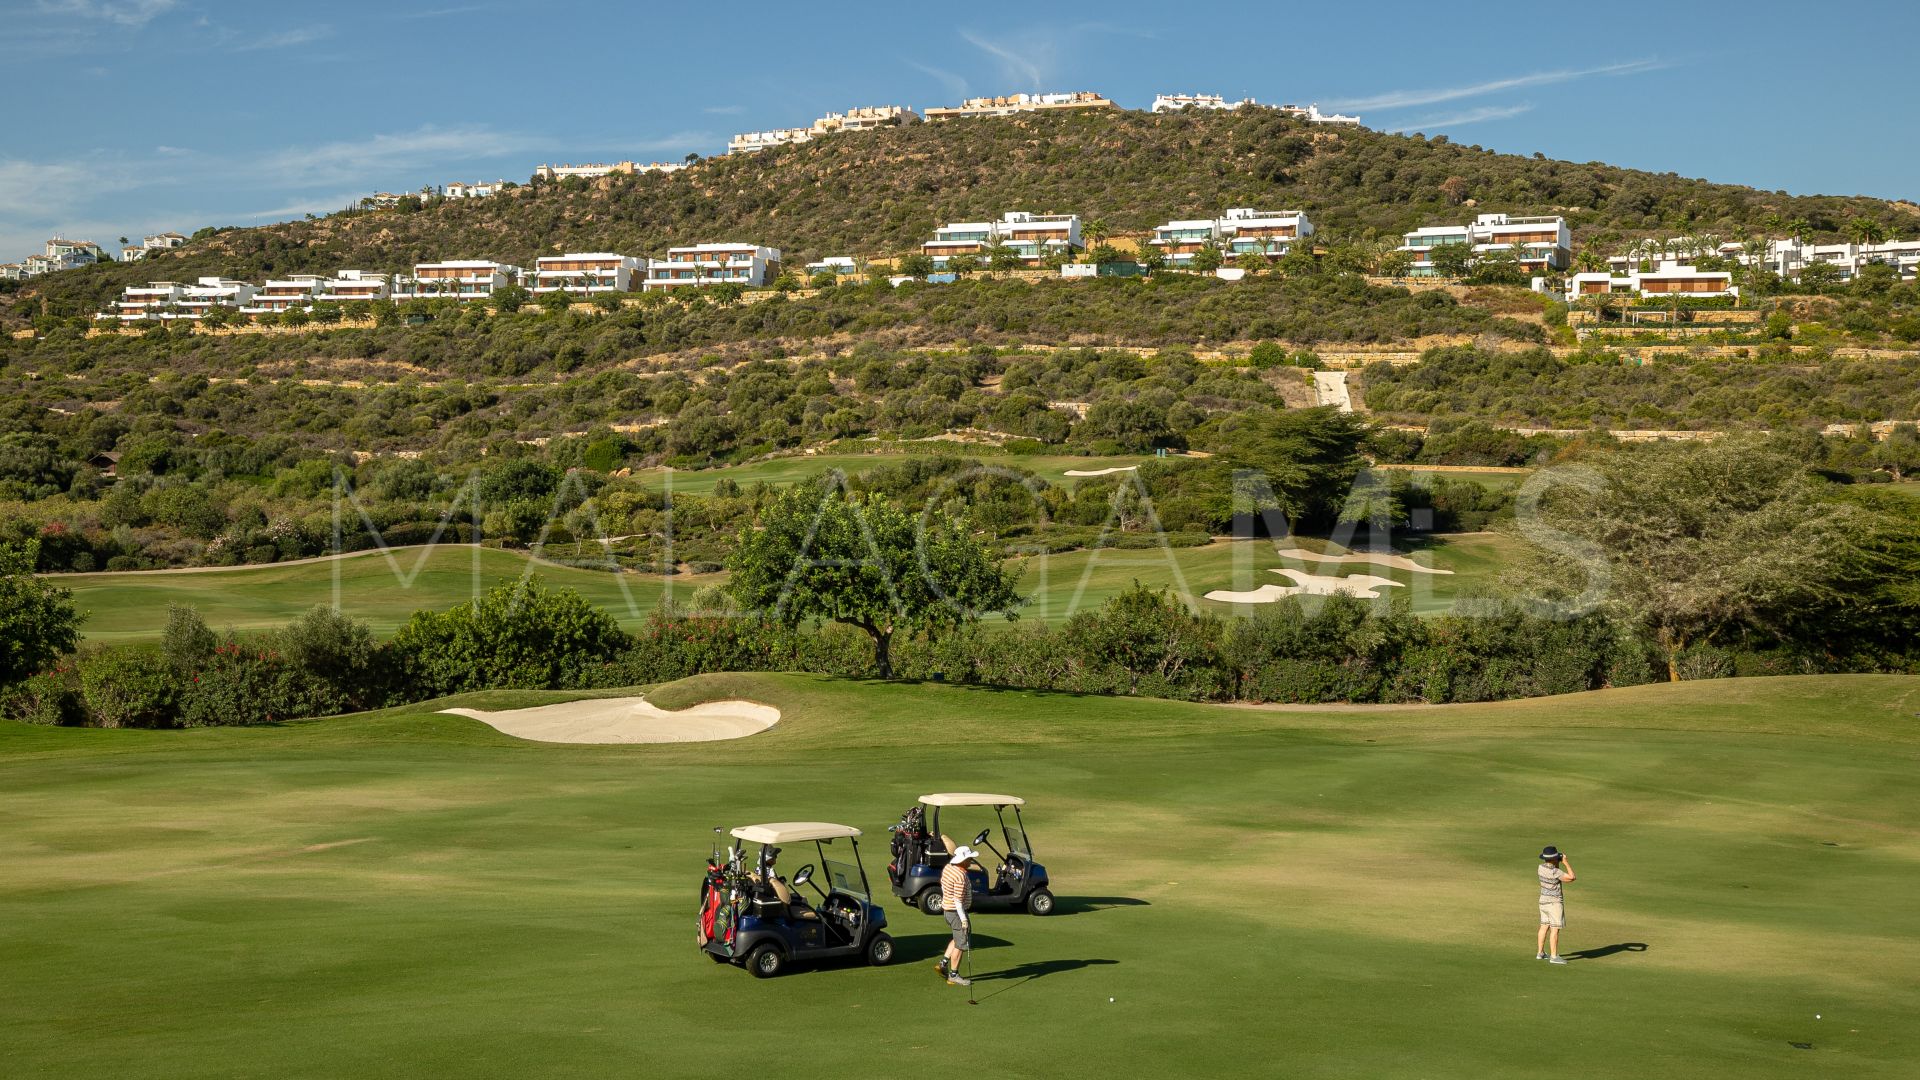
(910, 843)
(713, 893)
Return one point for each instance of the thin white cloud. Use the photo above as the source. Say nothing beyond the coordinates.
(1401, 99)
(301, 35)
(361, 160)
(467, 9)
(725, 110)
(129, 13)
(954, 84)
(1459, 119)
(1029, 69)
(171, 151)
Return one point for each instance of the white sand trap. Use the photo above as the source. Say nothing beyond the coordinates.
(628, 720)
(1305, 584)
(1100, 472)
(1376, 558)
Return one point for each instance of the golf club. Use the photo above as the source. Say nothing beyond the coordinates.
(971, 1000)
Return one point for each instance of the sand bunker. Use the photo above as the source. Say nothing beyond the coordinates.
(628, 720)
(1376, 558)
(1305, 584)
(1100, 472)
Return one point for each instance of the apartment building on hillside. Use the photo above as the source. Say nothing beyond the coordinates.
(598, 169)
(13, 272)
(1538, 244)
(865, 118)
(1031, 237)
(1209, 102)
(589, 273)
(479, 189)
(1020, 103)
(694, 265)
(172, 300)
(282, 294)
(165, 241)
(839, 265)
(454, 279)
(1789, 256)
(1238, 231)
(348, 286)
(1668, 278)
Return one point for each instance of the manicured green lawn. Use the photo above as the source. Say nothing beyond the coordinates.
(381, 589)
(1049, 467)
(385, 589)
(1082, 580)
(1244, 892)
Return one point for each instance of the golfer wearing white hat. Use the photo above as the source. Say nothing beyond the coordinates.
(1555, 871)
(956, 894)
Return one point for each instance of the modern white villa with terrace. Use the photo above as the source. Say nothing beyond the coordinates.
(714, 264)
(1030, 237)
(455, 279)
(590, 273)
(1537, 243)
(1237, 232)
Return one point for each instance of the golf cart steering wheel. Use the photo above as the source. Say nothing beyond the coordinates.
(982, 838)
(804, 876)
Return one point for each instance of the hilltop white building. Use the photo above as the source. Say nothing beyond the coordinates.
(1176, 102)
(1019, 103)
(596, 170)
(479, 189)
(712, 264)
(865, 118)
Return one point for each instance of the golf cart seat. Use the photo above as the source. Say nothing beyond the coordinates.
(947, 842)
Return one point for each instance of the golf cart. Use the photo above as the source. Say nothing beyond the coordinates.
(753, 918)
(920, 851)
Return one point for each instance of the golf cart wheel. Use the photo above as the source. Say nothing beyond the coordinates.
(930, 900)
(766, 962)
(880, 950)
(1040, 902)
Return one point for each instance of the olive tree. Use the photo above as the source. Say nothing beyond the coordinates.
(822, 554)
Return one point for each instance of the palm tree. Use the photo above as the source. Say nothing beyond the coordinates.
(1865, 231)
(1095, 231)
(1589, 261)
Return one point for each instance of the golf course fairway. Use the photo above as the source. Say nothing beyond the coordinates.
(1242, 891)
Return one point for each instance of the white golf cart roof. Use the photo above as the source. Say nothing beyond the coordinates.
(793, 832)
(971, 798)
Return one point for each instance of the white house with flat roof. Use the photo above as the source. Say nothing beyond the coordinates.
(865, 118)
(282, 294)
(348, 286)
(1537, 243)
(594, 170)
(694, 265)
(1020, 103)
(1208, 102)
(454, 279)
(1238, 231)
(172, 300)
(1032, 237)
(589, 273)
(833, 264)
(1788, 257)
(479, 189)
(1668, 278)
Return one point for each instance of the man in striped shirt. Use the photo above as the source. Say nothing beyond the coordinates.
(1555, 872)
(956, 895)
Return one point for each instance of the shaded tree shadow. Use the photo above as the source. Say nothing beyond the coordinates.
(1608, 950)
(1022, 974)
(1081, 905)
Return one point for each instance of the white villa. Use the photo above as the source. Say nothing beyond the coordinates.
(833, 264)
(479, 189)
(1789, 256)
(586, 273)
(1538, 243)
(1669, 278)
(597, 169)
(456, 279)
(277, 295)
(1238, 231)
(713, 264)
(350, 285)
(1030, 236)
(172, 300)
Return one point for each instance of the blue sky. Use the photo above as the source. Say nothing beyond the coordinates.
(143, 115)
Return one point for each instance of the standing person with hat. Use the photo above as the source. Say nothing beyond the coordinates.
(956, 895)
(1555, 871)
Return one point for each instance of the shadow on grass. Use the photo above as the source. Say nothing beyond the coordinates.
(1021, 974)
(1082, 905)
(1608, 950)
(924, 947)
